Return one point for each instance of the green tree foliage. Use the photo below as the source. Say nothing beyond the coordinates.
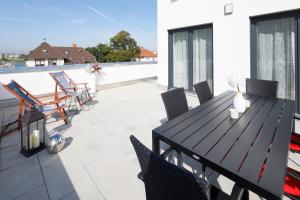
(120, 56)
(100, 52)
(123, 48)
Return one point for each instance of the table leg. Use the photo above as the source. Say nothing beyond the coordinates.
(155, 144)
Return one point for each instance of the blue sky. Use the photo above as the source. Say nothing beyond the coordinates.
(24, 23)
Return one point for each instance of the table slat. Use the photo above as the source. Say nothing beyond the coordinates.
(253, 163)
(220, 149)
(243, 144)
(274, 173)
(190, 113)
(193, 122)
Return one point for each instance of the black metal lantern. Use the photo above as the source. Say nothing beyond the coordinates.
(32, 132)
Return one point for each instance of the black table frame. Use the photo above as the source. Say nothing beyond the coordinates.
(236, 148)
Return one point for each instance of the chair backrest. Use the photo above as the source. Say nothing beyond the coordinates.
(21, 94)
(175, 102)
(63, 81)
(165, 181)
(262, 87)
(203, 91)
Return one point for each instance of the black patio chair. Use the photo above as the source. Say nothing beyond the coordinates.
(165, 181)
(203, 91)
(262, 87)
(175, 102)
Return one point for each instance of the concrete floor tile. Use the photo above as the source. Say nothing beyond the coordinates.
(20, 180)
(37, 194)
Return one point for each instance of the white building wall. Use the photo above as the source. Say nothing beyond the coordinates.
(231, 33)
(60, 62)
(30, 63)
(148, 59)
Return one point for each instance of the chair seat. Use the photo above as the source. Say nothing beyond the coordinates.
(295, 139)
(78, 93)
(47, 108)
(292, 186)
(294, 147)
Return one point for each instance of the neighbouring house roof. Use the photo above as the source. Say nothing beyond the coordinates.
(145, 53)
(71, 54)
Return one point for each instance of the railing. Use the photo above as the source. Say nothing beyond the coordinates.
(38, 81)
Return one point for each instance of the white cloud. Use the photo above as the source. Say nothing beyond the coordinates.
(78, 21)
(97, 12)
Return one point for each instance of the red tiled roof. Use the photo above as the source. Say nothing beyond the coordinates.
(145, 53)
(71, 54)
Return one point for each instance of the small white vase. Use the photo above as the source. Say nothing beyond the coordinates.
(239, 102)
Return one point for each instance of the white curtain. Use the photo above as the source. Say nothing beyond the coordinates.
(276, 54)
(202, 56)
(180, 59)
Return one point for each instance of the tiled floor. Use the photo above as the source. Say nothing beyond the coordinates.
(98, 161)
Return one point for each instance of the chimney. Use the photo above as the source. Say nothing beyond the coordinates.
(74, 45)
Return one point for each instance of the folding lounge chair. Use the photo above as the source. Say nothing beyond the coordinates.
(70, 88)
(28, 101)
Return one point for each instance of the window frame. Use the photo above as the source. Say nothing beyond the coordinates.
(253, 47)
(190, 30)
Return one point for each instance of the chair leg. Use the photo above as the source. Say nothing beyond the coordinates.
(179, 159)
(62, 113)
(89, 96)
(78, 100)
(203, 171)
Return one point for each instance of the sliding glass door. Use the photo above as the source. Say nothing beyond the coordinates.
(180, 59)
(274, 52)
(202, 56)
(191, 56)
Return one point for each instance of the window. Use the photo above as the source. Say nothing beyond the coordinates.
(191, 56)
(39, 62)
(274, 52)
(52, 62)
(180, 60)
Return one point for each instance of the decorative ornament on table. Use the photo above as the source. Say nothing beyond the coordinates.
(94, 70)
(238, 101)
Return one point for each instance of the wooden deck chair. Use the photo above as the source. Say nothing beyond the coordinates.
(70, 88)
(28, 101)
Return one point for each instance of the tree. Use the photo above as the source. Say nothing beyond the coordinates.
(122, 48)
(100, 52)
(120, 56)
(103, 50)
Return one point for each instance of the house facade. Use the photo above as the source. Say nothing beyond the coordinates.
(47, 55)
(146, 56)
(211, 40)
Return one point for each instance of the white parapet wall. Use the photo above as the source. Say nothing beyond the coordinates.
(38, 81)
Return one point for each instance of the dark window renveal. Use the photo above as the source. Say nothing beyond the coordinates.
(191, 56)
(274, 52)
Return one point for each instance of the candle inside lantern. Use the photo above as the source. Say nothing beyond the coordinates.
(30, 142)
(36, 138)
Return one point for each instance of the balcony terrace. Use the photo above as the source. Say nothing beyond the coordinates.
(98, 161)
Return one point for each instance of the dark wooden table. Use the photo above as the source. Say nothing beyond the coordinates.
(236, 148)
